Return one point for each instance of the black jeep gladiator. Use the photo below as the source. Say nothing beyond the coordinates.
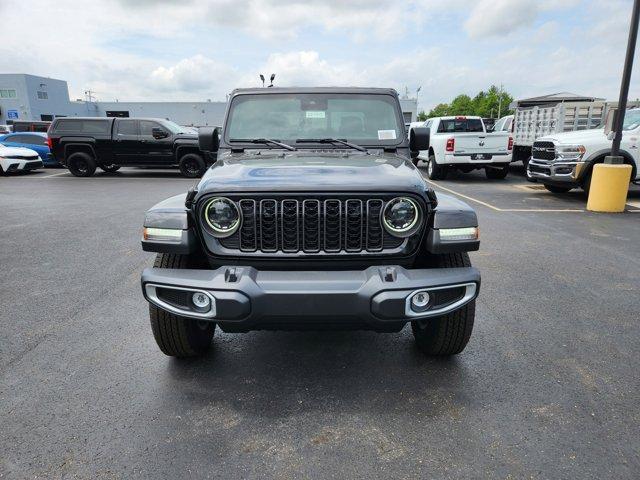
(82, 144)
(312, 217)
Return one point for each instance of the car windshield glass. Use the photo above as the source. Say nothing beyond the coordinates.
(460, 125)
(365, 119)
(631, 120)
(173, 127)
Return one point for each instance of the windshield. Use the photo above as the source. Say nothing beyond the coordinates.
(174, 127)
(363, 119)
(631, 120)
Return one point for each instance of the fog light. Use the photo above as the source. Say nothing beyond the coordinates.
(420, 301)
(201, 301)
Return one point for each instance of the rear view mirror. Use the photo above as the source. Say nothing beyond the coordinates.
(208, 139)
(158, 133)
(610, 120)
(418, 140)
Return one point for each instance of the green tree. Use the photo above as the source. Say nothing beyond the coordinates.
(440, 110)
(485, 104)
(461, 105)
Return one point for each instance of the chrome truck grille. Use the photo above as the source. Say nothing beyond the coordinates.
(329, 225)
(543, 151)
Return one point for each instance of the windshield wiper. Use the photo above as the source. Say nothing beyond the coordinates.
(334, 141)
(263, 141)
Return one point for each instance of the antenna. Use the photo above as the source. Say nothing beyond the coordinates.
(273, 77)
(262, 78)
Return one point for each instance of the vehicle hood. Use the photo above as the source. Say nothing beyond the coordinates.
(187, 136)
(16, 151)
(579, 136)
(309, 171)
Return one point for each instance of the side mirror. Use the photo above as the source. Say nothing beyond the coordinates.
(418, 140)
(610, 120)
(208, 139)
(159, 133)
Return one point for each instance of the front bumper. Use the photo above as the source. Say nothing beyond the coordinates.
(19, 164)
(556, 171)
(244, 298)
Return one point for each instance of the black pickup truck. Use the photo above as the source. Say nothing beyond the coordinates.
(83, 144)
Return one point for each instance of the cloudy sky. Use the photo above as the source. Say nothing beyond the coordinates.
(201, 49)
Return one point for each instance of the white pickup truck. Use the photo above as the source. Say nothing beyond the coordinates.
(462, 143)
(563, 161)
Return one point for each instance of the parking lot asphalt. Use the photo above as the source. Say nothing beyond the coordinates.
(547, 388)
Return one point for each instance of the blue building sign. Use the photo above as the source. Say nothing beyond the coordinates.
(12, 114)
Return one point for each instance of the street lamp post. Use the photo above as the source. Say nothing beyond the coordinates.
(609, 181)
(615, 157)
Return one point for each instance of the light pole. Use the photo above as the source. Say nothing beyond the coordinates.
(609, 181)
(615, 157)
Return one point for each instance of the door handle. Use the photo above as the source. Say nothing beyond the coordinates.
(143, 141)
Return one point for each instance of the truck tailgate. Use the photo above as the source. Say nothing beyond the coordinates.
(487, 143)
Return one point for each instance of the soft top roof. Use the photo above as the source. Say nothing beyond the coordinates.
(272, 90)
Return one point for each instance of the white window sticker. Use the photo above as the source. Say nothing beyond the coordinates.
(386, 134)
(314, 113)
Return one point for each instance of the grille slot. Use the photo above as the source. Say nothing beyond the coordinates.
(374, 228)
(311, 226)
(248, 231)
(269, 226)
(354, 224)
(332, 225)
(289, 223)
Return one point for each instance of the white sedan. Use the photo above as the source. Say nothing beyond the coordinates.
(18, 159)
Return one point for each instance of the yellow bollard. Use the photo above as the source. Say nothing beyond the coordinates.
(609, 187)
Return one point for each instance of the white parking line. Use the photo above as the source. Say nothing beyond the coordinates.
(498, 209)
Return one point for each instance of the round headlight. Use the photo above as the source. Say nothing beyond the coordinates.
(401, 217)
(223, 216)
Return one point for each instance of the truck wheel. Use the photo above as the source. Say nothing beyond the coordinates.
(448, 334)
(192, 165)
(81, 164)
(435, 171)
(556, 189)
(497, 173)
(525, 162)
(110, 168)
(586, 183)
(175, 335)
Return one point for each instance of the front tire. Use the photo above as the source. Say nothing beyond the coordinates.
(448, 334)
(81, 164)
(175, 335)
(497, 173)
(556, 189)
(435, 171)
(110, 168)
(527, 174)
(192, 165)
(586, 183)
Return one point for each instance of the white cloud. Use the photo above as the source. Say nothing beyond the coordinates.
(194, 75)
(501, 17)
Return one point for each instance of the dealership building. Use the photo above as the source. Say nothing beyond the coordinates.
(33, 98)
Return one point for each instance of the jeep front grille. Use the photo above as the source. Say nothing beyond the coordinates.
(543, 151)
(322, 225)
